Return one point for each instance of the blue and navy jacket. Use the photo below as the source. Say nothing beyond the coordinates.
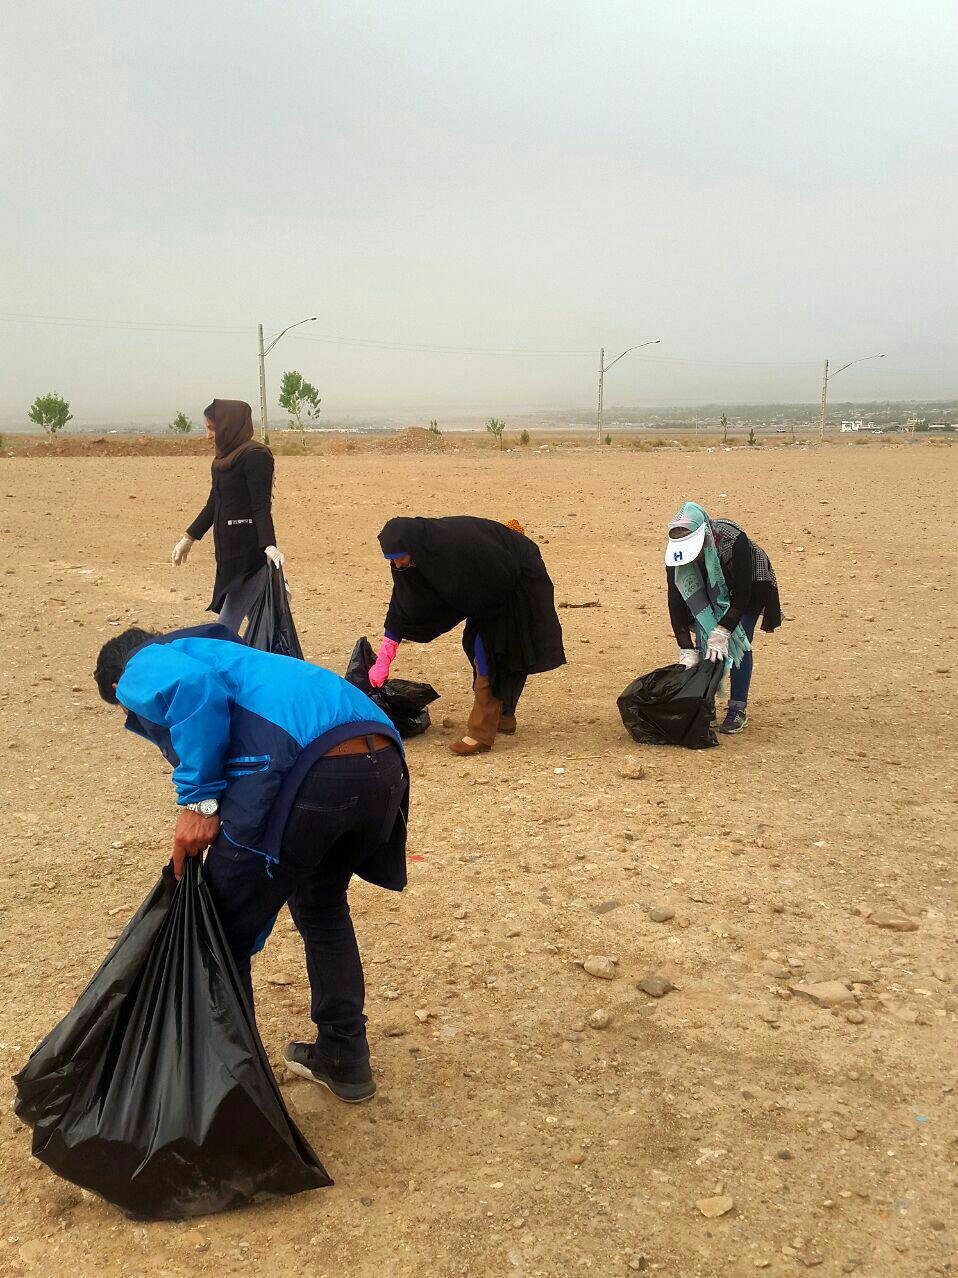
(240, 725)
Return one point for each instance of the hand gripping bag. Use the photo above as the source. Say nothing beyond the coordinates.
(155, 1091)
(270, 626)
(402, 699)
(673, 706)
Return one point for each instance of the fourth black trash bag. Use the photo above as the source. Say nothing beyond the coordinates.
(402, 699)
(673, 706)
(155, 1091)
(271, 627)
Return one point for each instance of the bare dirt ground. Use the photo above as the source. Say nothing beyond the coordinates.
(508, 1135)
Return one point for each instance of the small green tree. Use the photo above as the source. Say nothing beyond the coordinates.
(434, 427)
(608, 439)
(524, 438)
(301, 400)
(495, 426)
(724, 429)
(752, 438)
(52, 412)
(181, 424)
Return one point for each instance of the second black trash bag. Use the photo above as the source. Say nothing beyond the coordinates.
(673, 706)
(403, 700)
(270, 626)
(155, 1091)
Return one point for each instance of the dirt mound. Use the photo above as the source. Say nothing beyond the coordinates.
(414, 439)
(105, 446)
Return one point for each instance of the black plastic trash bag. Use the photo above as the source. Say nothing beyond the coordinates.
(673, 706)
(270, 626)
(155, 1091)
(403, 700)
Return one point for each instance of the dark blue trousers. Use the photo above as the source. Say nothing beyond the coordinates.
(740, 678)
(338, 822)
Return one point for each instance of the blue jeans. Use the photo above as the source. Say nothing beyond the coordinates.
(741, 676)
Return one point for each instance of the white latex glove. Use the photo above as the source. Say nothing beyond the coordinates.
(688, 658)
(717, 649)
(274, 557)
(181, 550)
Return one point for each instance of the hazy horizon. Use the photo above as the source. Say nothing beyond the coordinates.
(472, 202)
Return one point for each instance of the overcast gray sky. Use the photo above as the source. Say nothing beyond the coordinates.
(759, 184)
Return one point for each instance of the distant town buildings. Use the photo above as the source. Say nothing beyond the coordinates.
(853, 427)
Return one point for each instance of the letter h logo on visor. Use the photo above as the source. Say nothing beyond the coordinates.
(677, 556)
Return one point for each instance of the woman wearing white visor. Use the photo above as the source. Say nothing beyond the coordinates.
(720, 583)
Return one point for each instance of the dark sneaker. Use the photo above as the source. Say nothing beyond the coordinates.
(736, 720)
(349, 1083)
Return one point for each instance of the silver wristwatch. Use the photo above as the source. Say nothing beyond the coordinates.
(205, 807)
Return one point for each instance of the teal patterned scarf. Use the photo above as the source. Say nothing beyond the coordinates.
(707, 598)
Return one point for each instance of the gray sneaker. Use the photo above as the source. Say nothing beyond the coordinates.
(349, 1083)
(736, 720)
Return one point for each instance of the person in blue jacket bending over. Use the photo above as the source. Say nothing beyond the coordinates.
(295, 781)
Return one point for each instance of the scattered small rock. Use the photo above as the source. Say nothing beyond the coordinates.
(775, 970)
(712, 1208)
(661, 914)
(599, 966)
(655, 986)
(824, 993)
(855, 1017)
(631, 769)
(448, 722)
(894, 922)
(600, 1019)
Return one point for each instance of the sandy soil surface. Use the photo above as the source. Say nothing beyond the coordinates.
(508, 1135)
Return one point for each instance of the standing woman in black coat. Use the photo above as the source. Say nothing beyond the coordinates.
(490, 576)
(239, 510)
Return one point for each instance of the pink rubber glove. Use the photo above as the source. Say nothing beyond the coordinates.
(379, 671)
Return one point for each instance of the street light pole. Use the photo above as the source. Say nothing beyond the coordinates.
(263, 352)
(603, 369)
(262, 388)
(827, 377)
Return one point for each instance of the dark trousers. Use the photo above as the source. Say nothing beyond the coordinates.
(337, 823)
(741, 677)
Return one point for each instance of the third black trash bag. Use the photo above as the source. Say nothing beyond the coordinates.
(402, 699)
(155, 1091)
(673, 706)
(270, 626)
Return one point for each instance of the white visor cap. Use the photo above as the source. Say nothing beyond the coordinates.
(680, 551)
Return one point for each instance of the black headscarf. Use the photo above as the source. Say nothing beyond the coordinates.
(481, 572)
(233, 427)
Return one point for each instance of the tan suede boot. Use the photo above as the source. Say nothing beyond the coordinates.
(483, 721)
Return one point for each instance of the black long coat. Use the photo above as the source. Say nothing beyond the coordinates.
(483, 573)
(238, 510)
